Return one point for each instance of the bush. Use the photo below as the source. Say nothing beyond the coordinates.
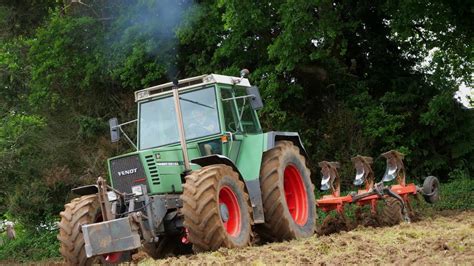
(30, 246)
(457, 194)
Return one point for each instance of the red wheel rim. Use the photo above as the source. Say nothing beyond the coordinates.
(113, 257)
(295, 195)
(229, 211)
(110, 257)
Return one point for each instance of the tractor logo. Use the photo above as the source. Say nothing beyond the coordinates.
(127, 172)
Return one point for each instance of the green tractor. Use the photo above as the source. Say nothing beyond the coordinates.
(203, 176)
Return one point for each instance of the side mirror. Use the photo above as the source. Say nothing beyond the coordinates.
(256, 99)
(114, 129)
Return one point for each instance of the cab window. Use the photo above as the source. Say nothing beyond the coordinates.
(238, 109)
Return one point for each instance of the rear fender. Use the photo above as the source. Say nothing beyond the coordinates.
(252, 187)
(274, 136)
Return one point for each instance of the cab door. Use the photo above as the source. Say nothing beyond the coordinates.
(232, 129)
(239, 120)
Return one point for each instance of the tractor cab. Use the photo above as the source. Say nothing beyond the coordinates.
(216, 114)
(211, 105)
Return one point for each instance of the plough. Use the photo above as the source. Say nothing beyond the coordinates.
(396, 196)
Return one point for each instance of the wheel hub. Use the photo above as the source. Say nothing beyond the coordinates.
(296, 195)
(224, 212)
(113, 257)
(229, 211)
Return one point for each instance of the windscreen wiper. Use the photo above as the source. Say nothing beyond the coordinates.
(198, 103)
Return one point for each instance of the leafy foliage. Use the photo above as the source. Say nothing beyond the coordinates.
(30, 246)
(457, 194)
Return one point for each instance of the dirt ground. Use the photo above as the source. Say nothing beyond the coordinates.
(442, 238)
(436, 238)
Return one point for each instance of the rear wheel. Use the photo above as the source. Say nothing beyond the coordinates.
(287, 193)
(216, 209)
(392, 212)
(78, 212)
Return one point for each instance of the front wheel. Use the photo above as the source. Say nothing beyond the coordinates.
(287, 193)
(216, 209)
(81, 211)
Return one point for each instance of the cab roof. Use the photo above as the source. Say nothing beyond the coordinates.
(188, 83)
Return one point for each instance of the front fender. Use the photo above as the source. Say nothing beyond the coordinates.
(86, 190)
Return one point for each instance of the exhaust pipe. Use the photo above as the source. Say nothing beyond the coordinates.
(182, 134)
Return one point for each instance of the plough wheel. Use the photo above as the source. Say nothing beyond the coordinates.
(392, 212)
(431, 189)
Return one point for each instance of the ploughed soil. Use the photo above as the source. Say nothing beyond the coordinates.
(441, 238)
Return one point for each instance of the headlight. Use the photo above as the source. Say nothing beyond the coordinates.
(137, 190)
(111, 196)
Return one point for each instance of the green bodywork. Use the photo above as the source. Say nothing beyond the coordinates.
(163, 165)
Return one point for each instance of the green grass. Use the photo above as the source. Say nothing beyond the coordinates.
(456, 195)
(30, 246)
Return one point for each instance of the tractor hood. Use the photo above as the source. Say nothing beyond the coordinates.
(127, 171)
(159, 169)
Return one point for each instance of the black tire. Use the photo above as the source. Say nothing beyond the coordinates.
(79, 211)
(431, 189)
(392, 212)
(279, 222)
(203, 215)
